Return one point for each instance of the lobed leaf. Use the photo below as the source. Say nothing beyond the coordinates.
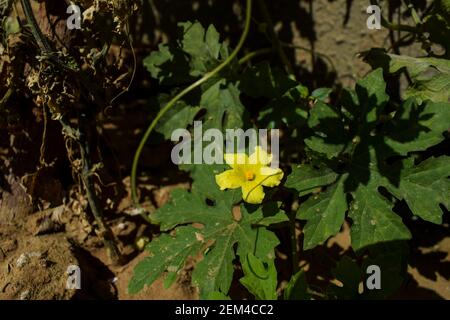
(220, 234)
(424, 187)
(260, 277)
(325, 213)
(306, 178)
(373, 220)
(431, 75)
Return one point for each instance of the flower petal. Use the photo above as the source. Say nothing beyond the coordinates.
(260, 156)
(233, 159)
(229, 179)
(270, 177)
(252, 193)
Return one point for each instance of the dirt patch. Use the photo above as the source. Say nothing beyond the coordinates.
(35, 268)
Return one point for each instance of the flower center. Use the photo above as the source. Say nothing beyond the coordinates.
(249, 175)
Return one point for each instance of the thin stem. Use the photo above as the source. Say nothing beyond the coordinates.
(133, 74)
(293, 236)
(6, 97)
(274, 38)
(44, 45)
(174, 100)
(414, 13)
(397, 27)
(297, 47)
(44, 137)
(86, 177)
(265, 51)
(254, 54)
(35, 30)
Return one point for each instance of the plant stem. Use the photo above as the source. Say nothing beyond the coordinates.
(274, 38)
(35, 30)
(6, 97)
(264, 51)
(294, 253)
(174, 100)
(254, 54)
(86, 176)
(414, 13)
(318, 54)
(41, 40)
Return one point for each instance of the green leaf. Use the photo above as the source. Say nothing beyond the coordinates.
(217, 295)
(262, 80)
(416, 128)
(365, 104)
(349, 274)
(424, 187)
(169, 65)
(179, 116)
(215, 271)
(367, 162)
(260, 277)
(431, 76)
(321, 94)
(195, 53)
(289, 109)
(271, 219)
(444, 6)
(373, 220)
(204, 47)
(324, 213)
(329, 135)
(205, 184)
(224, 109)
(297, 288)
(9, 25)
(166, 253)
(184, 205)
(219, 236)
(372, 97)
(306, 178)
(282, 111)
(435, 88)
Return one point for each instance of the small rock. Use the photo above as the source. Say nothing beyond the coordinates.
(25, 295)
(124, 228)
(42, 223)
(22, 260)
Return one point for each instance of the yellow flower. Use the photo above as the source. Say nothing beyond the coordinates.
(250, 173)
